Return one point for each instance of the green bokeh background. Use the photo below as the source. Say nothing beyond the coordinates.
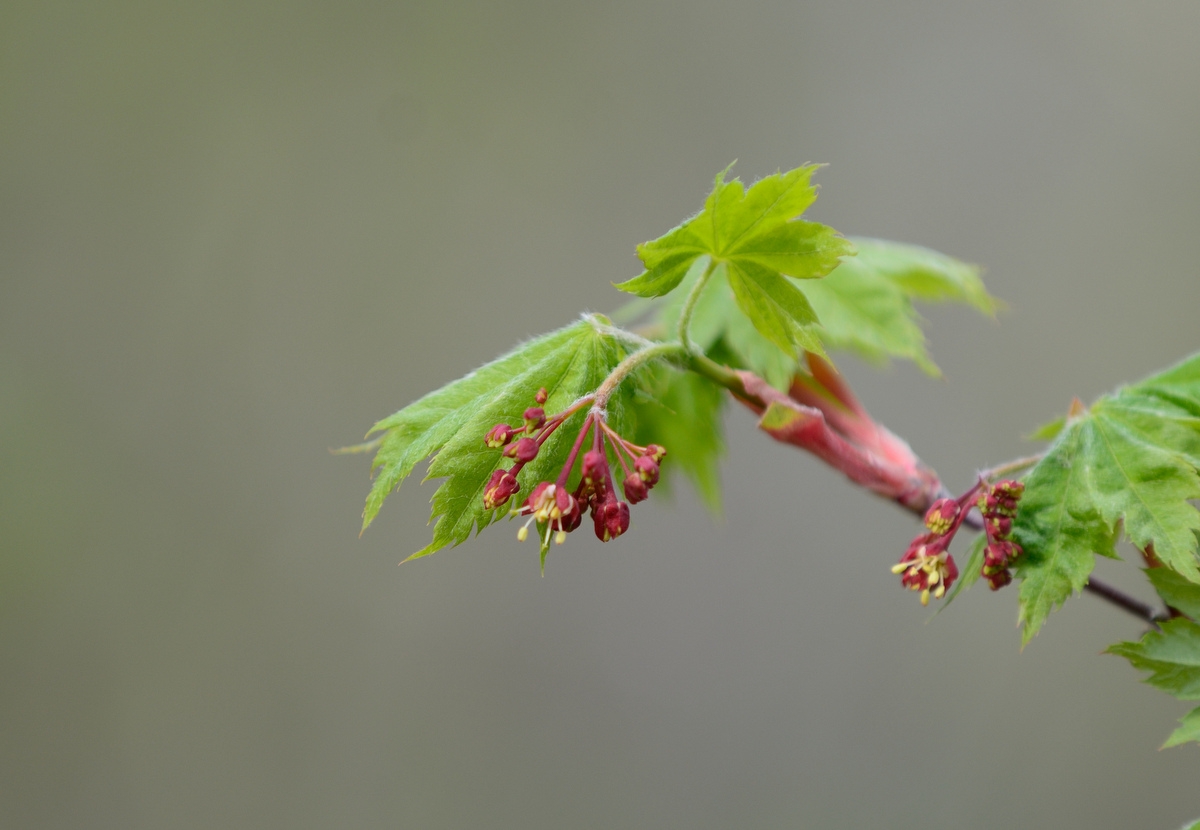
(233, 235)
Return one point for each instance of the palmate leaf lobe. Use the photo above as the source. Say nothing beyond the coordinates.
(1188, 730)
(756, 236)
(865, 305)
(1129, 462)
(1172, 656)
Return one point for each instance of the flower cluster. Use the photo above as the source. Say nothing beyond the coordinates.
(554, 505)
(927, 565)
(998, 504)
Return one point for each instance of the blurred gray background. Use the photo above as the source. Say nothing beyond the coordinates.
(234, 235)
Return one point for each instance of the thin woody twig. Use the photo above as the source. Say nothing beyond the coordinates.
(1139, 609)
(736, 382)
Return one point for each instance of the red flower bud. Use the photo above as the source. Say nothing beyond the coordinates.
(611, 519)
(1008, 488)
(541, 396)
(1000, 554)
(524, 450)
(655, 451)
(647, 469)
(499, 435)
(998, 580)
(535, 416)
(1001, 499)
(941, 515)
(636, 488)
(998, 527)
(502, 485)
(616, 519)
(595, 469)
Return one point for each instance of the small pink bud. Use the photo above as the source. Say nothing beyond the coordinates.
(1001, 499)
(999, 527)
(1008, 488)
(541, 396)
(941, 515)
(524, 450)
(611, 520)
(535, 416)
(594, 469)
(1000, 554)
(502, 485)
(499, 435)
(636, 488)
(655, 451)
(647, 469)
(998, 580)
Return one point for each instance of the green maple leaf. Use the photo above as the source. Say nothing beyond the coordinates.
(755, 237)
(1172, 656)
(451, 422)
(1130, 461)
(1189, 730)
(1176, 591)
(683, 412)
(866, 303)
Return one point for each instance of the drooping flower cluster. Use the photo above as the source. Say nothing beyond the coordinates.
(927, 565)
(998, 504)
(553, 505)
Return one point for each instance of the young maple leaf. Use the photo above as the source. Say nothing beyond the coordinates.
(1189, 730)
(754, 237)
(864, 305)
(1129, 461)
(1171, 655)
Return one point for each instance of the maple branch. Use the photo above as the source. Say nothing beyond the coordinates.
(1139, 609)
(747, 394)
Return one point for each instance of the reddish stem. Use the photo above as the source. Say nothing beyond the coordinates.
(579, 439)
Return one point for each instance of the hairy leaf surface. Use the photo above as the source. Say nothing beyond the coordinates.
(1130, 461)
(451, 422)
